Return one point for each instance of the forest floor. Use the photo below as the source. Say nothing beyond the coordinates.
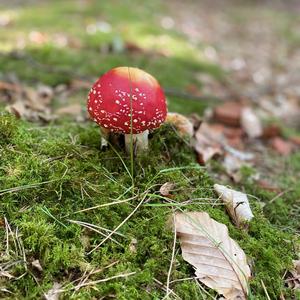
(61, 196)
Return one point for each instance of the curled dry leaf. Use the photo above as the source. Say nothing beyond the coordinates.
(219, 261)
(207, 143)
(31, 104)
(37, 265)
(237, 204)
(251, 123)
(166, 188)
(181, 123)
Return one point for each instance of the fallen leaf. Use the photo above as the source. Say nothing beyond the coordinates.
(219, 261)
(228, 113)
(18, 109)
(232, 166)
(166, 188)
(281, 146)
(207, 143)
(9, 86)
(251, 123)
(54, 292)
(293, 281)
(45, 94)
(181, 123)
(271, 131)
(237, 204)
(37, 265)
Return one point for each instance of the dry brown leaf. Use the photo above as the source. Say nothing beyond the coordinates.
(281, 146)
(181, 123)
(228, 113)
(166, 188)
(293, 281)
(237, 204)
(54, 292)
(219, 261)
(207, 143)
(251, 123)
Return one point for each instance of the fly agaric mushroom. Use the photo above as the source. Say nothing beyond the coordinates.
(129, 101)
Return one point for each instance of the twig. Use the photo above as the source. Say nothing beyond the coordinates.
(280, 194)
(99, 281)
(90, 226)
(104, 205)
(120, 225)
(265, 290)
(165, 289)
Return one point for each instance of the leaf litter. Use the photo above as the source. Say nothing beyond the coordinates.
(218, 260)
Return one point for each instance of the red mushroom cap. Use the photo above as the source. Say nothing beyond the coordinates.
(109, 101)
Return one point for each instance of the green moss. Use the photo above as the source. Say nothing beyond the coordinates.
(8, 128)
(56, 178)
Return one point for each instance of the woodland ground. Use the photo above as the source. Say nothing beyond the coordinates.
(50, 173)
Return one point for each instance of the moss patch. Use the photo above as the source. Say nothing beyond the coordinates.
(49, 174)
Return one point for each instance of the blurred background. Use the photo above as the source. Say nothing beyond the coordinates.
(202, 52)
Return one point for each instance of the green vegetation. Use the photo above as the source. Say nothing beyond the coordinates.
(51, 173)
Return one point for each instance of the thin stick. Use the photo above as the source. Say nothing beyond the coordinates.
(265, 290)
(96, 230)
(164, 289)
(120, 225)
(280, 194)
(172, 258)
(99, 281)
(104, 205)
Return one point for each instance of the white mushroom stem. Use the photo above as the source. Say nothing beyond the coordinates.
(104, 137)
(140, 142)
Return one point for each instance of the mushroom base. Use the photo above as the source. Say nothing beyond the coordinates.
(140, 142)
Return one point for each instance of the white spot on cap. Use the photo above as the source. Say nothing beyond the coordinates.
(115, 119)
(90, 108)
(117, 101)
